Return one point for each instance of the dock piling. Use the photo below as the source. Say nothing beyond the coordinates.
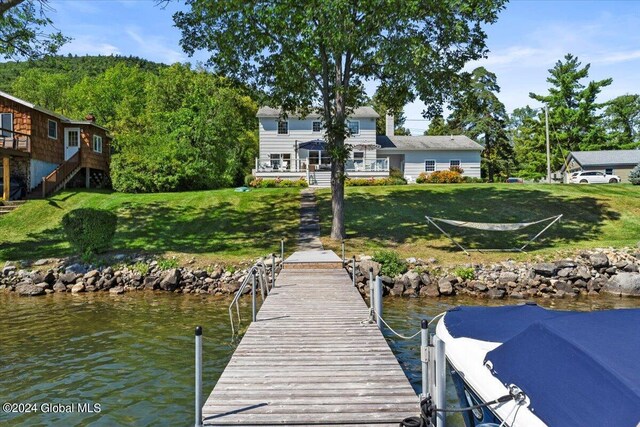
(424, 355)
(353, 271)
(198, 422)
(377, 298)
(441, 377)
(273, 271)
(253, 296)
(371, 303)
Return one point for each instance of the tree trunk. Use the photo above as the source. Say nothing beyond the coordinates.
(337, 196)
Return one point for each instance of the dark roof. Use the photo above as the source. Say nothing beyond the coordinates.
(359, 113)
(424, 142)
(606, 157)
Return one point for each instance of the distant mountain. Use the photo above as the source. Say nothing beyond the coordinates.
(76, 66)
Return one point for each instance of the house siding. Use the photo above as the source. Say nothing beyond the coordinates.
(301, 131)
(414, 160)
(90, 158)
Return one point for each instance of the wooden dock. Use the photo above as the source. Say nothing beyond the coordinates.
(309, 360)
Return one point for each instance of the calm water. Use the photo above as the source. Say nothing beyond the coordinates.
(133, 354)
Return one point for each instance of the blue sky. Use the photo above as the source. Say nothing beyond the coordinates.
(529, 37)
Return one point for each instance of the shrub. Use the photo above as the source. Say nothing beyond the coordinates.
(391, 263)
(471, 179)
(634, 175)
(167, 264)
(465, 273)
(456, 169)
(278, 183)
(248, 179)
(440, 177)
(141, 267)
(372, 182)
(89, 231)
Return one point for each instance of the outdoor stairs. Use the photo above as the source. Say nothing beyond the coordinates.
(10, 206)
(36, 193)
(320, 179)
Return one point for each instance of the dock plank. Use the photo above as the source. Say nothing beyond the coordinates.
(311, 358)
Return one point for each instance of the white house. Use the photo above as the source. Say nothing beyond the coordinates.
(294, 148)
(611, 162)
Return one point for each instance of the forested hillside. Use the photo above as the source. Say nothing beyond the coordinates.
(75, 67)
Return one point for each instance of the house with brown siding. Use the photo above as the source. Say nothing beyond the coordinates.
(43, 151)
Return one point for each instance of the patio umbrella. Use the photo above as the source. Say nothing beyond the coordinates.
(314, 145)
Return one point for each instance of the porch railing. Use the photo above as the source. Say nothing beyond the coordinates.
(301, 165)
(51, 182)
(15, 140)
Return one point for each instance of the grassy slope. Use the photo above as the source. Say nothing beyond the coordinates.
(393, 217)
(219, 225)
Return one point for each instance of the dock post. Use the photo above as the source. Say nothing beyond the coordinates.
(424, 355)
(282, 251)
(273, 271)
(253, 296)
(343, 260)
(441, 378)
(371, 303)
(377, 299)
(353, 272)
(198, 376)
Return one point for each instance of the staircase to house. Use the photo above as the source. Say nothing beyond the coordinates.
(57, 179)
(10, 206)
(320, 179)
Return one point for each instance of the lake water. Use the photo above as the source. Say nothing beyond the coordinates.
(133, 354)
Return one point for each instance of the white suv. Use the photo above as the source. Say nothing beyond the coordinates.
(592, 177)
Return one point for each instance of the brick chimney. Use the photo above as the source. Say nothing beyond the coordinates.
(90, 118)
(390, 125)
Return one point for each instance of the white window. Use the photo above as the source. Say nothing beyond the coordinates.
(317, 126)
(97, 143)
(6, 122)
(454, 163)
(358, 157)
(280, 161)
(283, 127)
(354, 127)
(53, 129)
(429, 165)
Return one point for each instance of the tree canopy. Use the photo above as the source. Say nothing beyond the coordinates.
(319, 53)
(26, 31)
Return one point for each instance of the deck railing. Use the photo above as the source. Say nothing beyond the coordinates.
(15, 140)
(302, 165)
(51, 182)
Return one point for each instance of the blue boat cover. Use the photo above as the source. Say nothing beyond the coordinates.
(578, 369)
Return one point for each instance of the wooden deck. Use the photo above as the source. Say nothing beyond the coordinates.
(308, 360)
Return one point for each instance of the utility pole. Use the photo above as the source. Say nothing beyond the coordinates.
(546, 121)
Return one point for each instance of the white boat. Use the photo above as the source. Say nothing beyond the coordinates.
(561, 368)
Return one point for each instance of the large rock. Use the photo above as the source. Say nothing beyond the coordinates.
(445, 285)
(624, 284)
(170, 279)
(546, 269)
(29, 289)
(496, 293)
(76, 268)
(430, 291)
(507, 276)
(78, 287)
(599, 260)
(397, 289)
(68, 278)
(366, 264)
(92, 273)
(59, 287)
(412, 279)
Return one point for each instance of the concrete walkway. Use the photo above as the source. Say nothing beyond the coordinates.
(309, 237)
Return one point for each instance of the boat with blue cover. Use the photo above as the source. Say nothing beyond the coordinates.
(561, 368)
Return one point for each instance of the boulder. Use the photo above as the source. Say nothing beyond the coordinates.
(410, 292)
(564, 272)
(507, 276)
(41, 261)
(565, 263)
(68, 278)
(496, 293)
(76, 268)
(425, 278)
(599, 260)
(366, 264)
(59, 287)
(397, 289)
(445, 286)
(430, 291)
(151, 283)
(170, 279)
(50, 277)
(8, 269)
(624, 284)
(29, 289)
(90, 274)
(412, 279)
(546, 269)
(78, 287)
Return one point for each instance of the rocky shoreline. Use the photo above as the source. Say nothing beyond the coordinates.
(588, 273)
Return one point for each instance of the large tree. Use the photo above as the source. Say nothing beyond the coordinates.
(527, 134)
(574, 118)
(622, 118)
(480, 115)
(399, 119)
(317, 54)
(26, 32)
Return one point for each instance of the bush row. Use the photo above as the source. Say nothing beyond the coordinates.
(367, 182)
(277, 183)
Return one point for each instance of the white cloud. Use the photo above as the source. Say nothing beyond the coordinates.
(616, 57)
(154, 47)
(88, 45)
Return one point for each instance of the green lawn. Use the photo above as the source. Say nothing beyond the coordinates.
(393, 217)
(215, 226)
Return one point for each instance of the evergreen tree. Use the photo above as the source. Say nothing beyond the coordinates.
(438, 126)
(622, 118)
(381, 123)
(527, 135)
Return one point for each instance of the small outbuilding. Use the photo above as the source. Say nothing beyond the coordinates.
(613, 162)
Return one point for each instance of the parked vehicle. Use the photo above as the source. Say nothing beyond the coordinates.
(593, 177)
(513, 180)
